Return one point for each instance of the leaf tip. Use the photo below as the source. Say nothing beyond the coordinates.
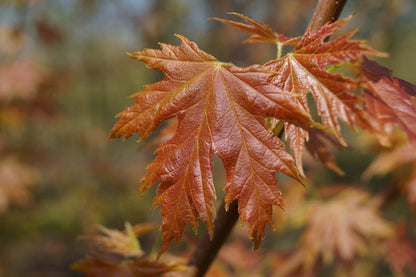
(182, 38)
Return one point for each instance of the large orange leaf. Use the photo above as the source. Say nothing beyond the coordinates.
(221, 109)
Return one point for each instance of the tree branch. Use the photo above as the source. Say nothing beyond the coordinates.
(326, 11)
(207, 249)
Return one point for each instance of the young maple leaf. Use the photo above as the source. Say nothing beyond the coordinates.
(122, 243)
(303, 70)
(221, 109)
(389, 101)
(120, 254)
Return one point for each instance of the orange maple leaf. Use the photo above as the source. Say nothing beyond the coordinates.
(389, 101)
(340, 227)
(221, 109)
(304, 70)
(390, 161)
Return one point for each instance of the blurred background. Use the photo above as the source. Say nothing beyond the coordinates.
(64, 75)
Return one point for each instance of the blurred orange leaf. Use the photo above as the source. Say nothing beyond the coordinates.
(20, 79)
(387, 162)
(120, 254)
(124, 243)
(390, 101)
(340, 227)
(15, 178)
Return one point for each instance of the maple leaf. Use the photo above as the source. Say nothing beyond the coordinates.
(389, 161)
(238, 256)
(221, 109)
(122, 243)
(339, 227)
(303, 70)
(389, 101)
(120, 254)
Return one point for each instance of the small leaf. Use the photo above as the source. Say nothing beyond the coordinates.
(387, 162)
(260, 32)
(122, 243)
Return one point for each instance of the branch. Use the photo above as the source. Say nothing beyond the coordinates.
(326, 11)
(207, 249)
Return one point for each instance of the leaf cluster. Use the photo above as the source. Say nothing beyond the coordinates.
(239, 113)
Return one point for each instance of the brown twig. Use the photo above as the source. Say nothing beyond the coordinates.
(206, 249)
(326, 11)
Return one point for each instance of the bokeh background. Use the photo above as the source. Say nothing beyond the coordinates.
(64, 75)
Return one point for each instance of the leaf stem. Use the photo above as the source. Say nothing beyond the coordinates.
(279, 50)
